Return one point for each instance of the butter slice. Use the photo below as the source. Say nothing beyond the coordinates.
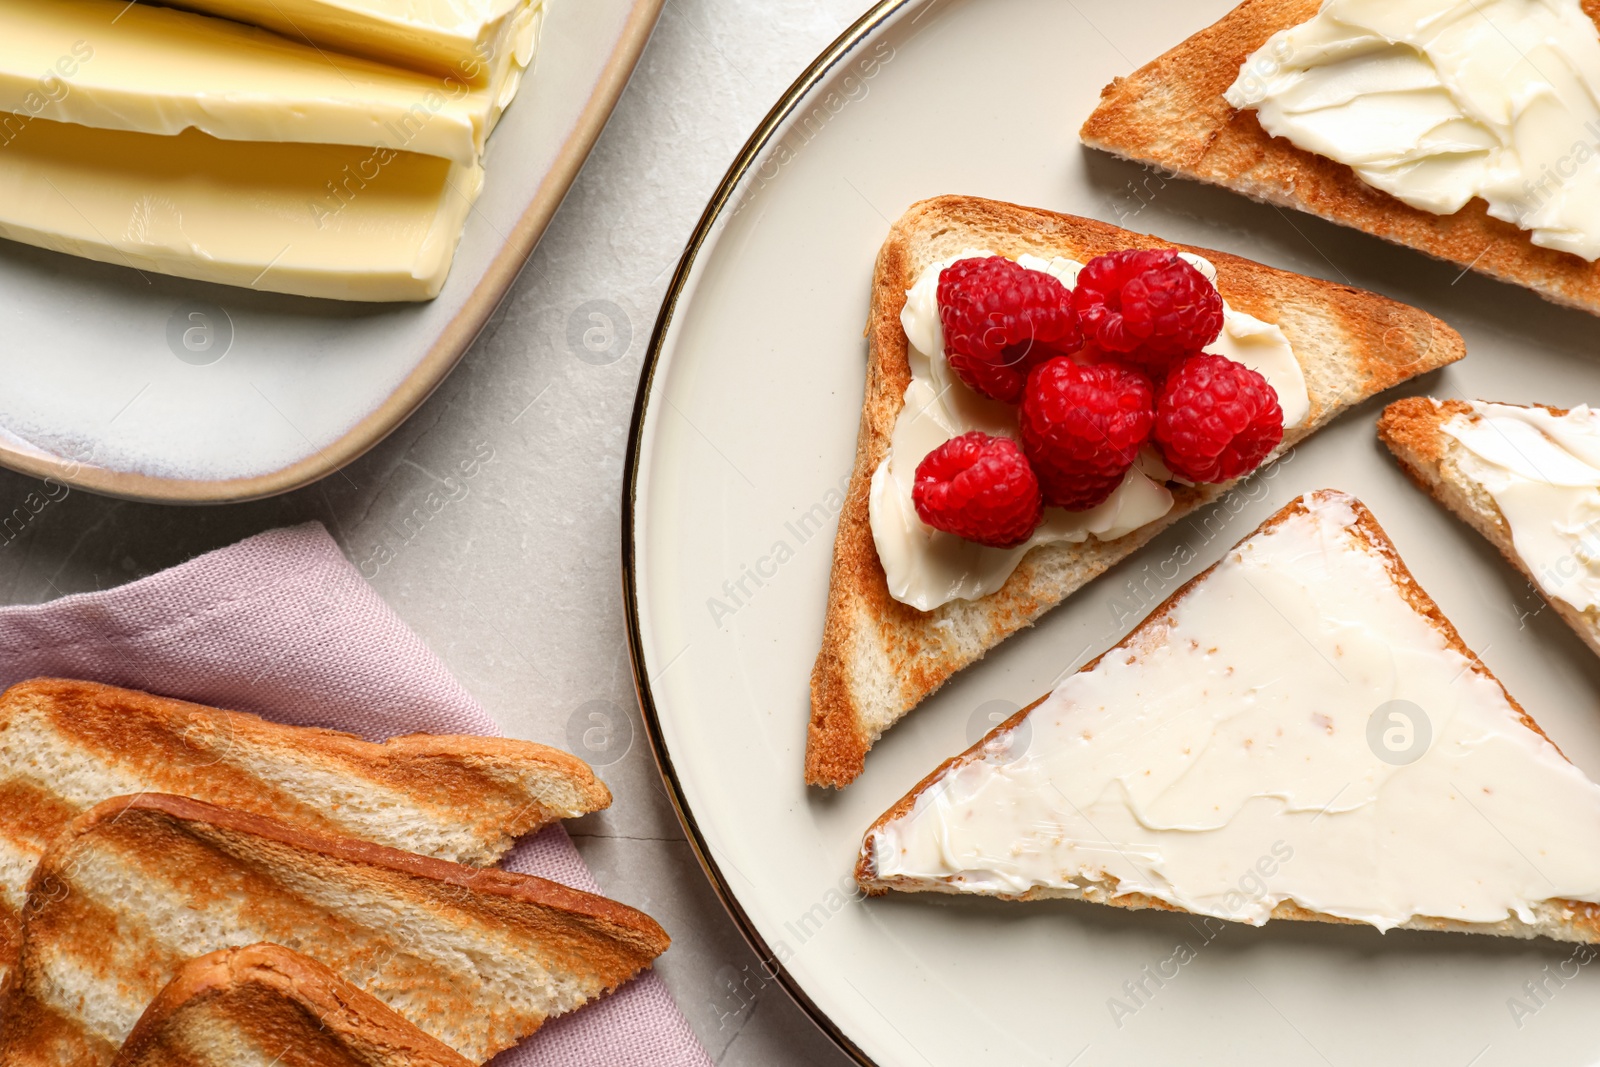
(484, 41)
(121, 66)
(337, 221)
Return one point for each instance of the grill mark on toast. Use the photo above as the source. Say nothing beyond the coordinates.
(265, 1006)
(176, 746)
(252, 1028)
(61, 768)
(138, 885)
(42, 1038)
(30, 814)
(70, 745)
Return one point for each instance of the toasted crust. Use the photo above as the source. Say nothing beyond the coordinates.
(70, 745)
(286, 1008)
(1567, 920)
(131, 889)
(1413, 430)
(1171, 113)
(879, 657)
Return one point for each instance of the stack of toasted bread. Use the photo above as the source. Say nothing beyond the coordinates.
(185, 885)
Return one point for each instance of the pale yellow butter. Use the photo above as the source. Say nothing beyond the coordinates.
(484, 41)
(337, 221)
(121, 66)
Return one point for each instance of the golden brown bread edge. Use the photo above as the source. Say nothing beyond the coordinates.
(1171, 113)
(1385, 342)
(147, 734)
(610, 941)
(293, 1007)
(1413, 431)
(1584, 918)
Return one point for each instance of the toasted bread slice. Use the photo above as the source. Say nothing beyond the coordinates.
(266, 1004)
(1171, 113)
(1413, 429)
(70, 745)
(1247, 638)
(880, 658)
(478, 959)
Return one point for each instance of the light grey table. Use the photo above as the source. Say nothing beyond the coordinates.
(512, 574)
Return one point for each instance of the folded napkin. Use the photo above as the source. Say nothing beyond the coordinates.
(283, 626)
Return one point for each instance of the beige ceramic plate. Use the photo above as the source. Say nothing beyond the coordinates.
(98, 394)
(745, 434)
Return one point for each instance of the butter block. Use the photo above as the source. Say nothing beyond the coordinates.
(337, 221)
(483, 41)
(121, 66)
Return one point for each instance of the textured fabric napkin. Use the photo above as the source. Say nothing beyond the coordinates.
(283, 626)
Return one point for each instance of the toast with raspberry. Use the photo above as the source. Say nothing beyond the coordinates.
(1327, 813)
(267, 1004)
(1413, 430)
(880, 658)
(1170, 113)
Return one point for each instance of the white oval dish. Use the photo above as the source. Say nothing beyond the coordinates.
(743, 440)
(284, 390)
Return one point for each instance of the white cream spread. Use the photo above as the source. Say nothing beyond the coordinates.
(927, 568)
(1235, 763)
(1543, 472)
(1439, 101)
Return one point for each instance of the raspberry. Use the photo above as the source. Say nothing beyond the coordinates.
(1082, 427)
(1151, 306)
(1216, 419)
(981, 488)
(1000, 320)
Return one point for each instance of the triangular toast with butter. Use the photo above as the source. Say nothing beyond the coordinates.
(1556, 551)
(264, 1004)
(1171, 114)
(129, 891)
(880, 657)
(1298, 733)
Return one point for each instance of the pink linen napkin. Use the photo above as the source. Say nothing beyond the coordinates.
(283, 626)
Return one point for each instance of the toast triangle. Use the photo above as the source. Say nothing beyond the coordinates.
(1239, 709)
(1413, 430)
(1170, 114)
(266, 1004)
(880, 658)
(478, 959)
(70, 745)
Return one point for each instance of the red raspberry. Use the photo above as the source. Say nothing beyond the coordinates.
(1152, 306)
(1000, 320)
(1216, 419)
(1082, 427)
(981, 488)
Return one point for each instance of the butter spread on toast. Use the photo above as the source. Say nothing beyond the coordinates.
(1543, 471)
(1300, 718)
(1436, 102)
